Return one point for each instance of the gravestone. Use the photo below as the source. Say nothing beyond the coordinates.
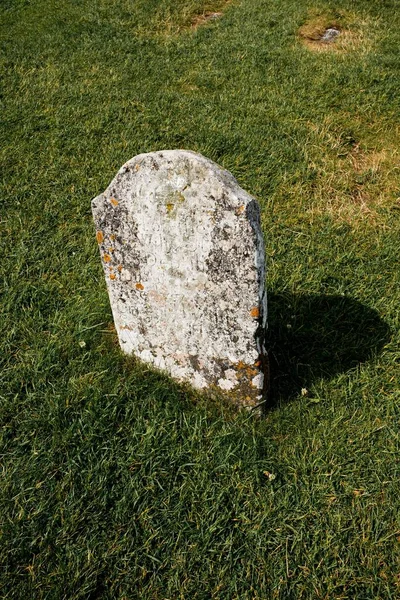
(183, 256)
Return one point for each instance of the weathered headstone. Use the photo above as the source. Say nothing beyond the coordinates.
(183, 255)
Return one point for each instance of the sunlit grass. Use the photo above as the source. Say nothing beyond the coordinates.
(117, 482)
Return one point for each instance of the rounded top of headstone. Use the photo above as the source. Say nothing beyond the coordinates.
(174, 177)
(184, 168)
(174, 158)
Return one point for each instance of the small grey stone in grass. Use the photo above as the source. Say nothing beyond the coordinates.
(330, 35)
(183, 255)
(213, 16)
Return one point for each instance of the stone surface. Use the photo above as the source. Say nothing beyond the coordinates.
(330, 35)
(183, 255)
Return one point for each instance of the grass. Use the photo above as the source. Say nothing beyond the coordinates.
(117, 482)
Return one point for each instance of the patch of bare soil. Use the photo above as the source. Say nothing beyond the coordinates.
(212, 12)
(328, 33)
(205, 18)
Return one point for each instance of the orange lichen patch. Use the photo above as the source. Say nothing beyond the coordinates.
(106, 257)
(240, 210)
(112, 276)
(137, 167)
(99, 236)
(114, 202)
(255, 312)
(257, 363)
(119, 268)
(245, 371)
(112, 237)
(169, 206)
(139, 286)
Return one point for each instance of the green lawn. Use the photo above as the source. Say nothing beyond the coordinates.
(117, 483)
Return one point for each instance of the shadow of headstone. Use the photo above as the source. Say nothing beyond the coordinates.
(314, 336)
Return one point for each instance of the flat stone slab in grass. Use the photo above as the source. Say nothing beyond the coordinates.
(183, 255)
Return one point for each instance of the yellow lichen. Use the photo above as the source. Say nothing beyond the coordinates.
(107, 258)
(174, 198)
(139, 286)
(244, 371)
(114, 202)
(112, 276)
(99, 236)
(255, 312)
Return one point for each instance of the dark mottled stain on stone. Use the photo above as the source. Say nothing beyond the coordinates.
(220, 261)
(194, 361)
(253, 213)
